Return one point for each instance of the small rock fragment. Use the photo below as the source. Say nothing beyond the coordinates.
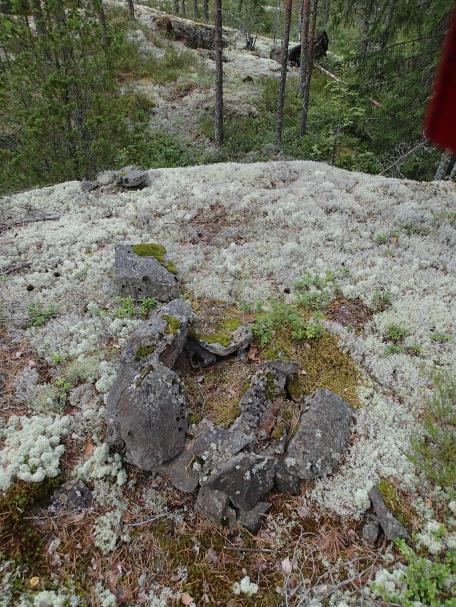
(322, 436)
(252, 520)
(71, 496)
(370, 532)
(392, 528)
(286, 482)
(132, 177)
(214, 505)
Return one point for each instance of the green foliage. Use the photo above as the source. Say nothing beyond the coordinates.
(381, 299)
(39, 314)
(313, 291)
(425, 582)
(396, 333)
(440, 337)
(129, 308)
(284, 315)
(435, 451)
(146, 306)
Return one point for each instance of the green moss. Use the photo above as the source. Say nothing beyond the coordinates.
(144, 351)
(394, 503)
(173, 324)
(158, 251)
(223, 334)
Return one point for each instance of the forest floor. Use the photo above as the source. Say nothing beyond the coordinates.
(240, 235)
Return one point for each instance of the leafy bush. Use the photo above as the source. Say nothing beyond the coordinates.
(281, 316)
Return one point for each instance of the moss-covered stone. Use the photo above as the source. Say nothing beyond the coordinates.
(173, 324)
(144, 351)
(223, 333)
(394, 502)
(153, 249)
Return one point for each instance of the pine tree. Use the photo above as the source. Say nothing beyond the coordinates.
(283, 74)
(131, 8)
(219, 135)
(308, 30)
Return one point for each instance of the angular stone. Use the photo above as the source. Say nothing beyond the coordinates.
(258, 406)
(214, 505)
(88, 186)
(322, 436)
(241, 338)
(161, 338)
(198, 356)
(132, 177)
(370, 532)
(150, 418)
(245, 479)
(392, 528)
(141, 276)
(210, 445)
(72, 496)
(252, 519)
(286, 482)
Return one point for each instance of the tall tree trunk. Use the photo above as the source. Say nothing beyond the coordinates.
(304, 38)
(218, 74)
(131, 8)
(183, 11)
(453, 172)
(283, 74)
(444, 166)
(205, 10)
(325, 14)
(310, 43)
(176, 6)
(276, 20)
(195, 9)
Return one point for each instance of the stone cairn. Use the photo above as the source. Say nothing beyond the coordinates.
(231, 468)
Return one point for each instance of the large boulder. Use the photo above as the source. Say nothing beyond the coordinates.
(151, 417)
(144, 270)
(159, 339)
(322, 436)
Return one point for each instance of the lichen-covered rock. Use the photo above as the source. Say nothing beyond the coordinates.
(150, 417)
(161, 338)
(210, 445)
(392, 528)
(286, 482)
(245, 479)
(252, 519)
(73, 496)
(214, 505)
(322, 435)
(370, 531)
(132, 177)
(144, 271)
(259, 405)
(238, 340)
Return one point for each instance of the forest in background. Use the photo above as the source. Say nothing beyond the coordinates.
(69, 106)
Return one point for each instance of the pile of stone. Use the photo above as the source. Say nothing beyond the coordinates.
(234, 468)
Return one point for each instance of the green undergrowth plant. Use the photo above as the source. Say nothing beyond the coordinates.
(434, 452)
(129, 308)
(286, 315)
(315, 291)
(39, 314)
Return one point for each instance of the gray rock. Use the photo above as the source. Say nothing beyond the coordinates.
(132, 177)
(322, 436)
(2, 382)
(198, 356)
(150, 417)
(88, 186)
(286, 482)
(245, 479)
(159, 339)
(141, 276)
(370, 532)
(210, 445)
(252, 520)
(214, 505)
(72, 496)
(258, 404)
(241, 338)
(392, 528)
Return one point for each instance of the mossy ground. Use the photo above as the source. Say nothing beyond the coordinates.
(398, 504)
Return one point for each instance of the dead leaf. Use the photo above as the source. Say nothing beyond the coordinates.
(34, 581)
(88, 449)
(186, 599)
(253, 353)
(286, 566)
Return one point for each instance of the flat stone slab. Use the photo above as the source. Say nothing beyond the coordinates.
(322, 435)
(141, 272)
(241, 338)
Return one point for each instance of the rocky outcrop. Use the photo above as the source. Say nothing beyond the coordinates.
(322, 435)
(144, 270)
